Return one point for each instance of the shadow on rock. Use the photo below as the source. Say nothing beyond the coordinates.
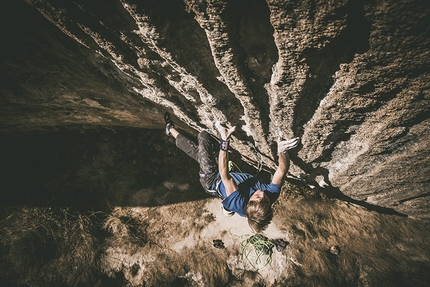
(319, 178)
(96, 168)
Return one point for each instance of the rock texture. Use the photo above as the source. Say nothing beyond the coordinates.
(351, 78)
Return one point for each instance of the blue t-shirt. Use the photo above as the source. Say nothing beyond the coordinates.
(247, 185)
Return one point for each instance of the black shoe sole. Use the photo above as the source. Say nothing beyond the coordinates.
(169, 123)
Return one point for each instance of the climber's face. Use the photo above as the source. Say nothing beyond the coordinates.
(259, 195)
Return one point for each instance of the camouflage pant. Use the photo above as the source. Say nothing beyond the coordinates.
(204, 154)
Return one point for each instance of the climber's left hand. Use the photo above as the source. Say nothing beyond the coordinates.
(284, 146)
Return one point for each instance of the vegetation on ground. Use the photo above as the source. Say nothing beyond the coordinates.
(331, 243)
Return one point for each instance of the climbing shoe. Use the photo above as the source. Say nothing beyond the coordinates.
(280, 244)
(169, 123)
(218, 243)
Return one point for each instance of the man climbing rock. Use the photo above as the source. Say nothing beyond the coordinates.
(241, 193)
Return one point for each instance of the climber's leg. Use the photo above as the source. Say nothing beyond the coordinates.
(206, 159)
(182, 142)
(203, 153)
(185, 144)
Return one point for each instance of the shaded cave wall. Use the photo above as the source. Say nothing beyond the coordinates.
(351, 78)
(96, 169)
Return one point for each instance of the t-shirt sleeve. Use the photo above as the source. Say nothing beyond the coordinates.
(273, 190)
(235, 202)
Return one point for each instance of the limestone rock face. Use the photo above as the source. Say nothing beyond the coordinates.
(351, 78)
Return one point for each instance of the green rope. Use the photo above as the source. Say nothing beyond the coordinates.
(256, 249)
(233, 167)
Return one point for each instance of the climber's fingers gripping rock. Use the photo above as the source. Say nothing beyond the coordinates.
(223, 131)
(283, 146)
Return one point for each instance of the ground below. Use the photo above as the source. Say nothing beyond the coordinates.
(106, 207)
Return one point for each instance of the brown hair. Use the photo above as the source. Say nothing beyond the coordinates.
(259, 214)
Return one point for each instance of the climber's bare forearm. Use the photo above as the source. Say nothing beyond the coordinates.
(283, 167)
(229, 184)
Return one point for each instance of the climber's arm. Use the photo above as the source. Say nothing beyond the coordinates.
(283, 166)
(284, 159)
(227, 180)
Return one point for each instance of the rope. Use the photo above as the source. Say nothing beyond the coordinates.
(233, 167)
(258, 249)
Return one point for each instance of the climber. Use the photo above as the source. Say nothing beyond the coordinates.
(241, 192)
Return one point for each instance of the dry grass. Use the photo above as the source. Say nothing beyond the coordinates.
(48, 247)
(154, 260)
(165, 246)
(375, 249)
(209, 264)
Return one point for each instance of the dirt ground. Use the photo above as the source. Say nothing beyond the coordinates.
(103, 207)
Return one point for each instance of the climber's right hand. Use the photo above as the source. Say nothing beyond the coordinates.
(225, 133)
